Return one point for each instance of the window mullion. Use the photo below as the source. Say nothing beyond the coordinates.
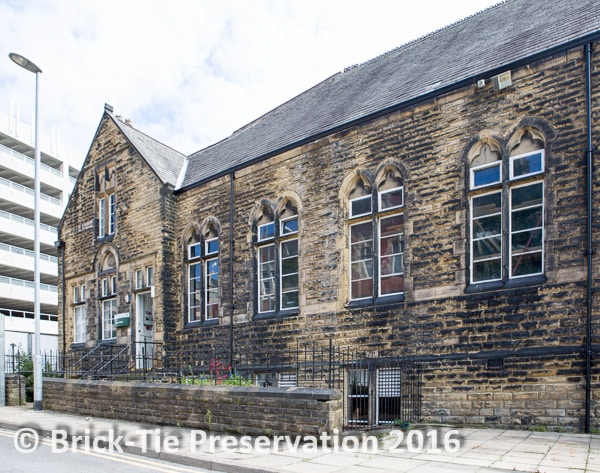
(375, 255)
(506, 224)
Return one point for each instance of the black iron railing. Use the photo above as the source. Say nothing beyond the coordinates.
(378, 389)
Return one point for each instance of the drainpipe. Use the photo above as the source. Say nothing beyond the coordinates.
(60, 245)
(589, 251)
(231, 202)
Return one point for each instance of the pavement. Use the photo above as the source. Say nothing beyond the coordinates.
(417, 449)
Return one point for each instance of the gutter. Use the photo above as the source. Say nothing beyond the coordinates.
(468, 81)
(590, 248)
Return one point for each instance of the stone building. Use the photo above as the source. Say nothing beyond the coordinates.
(437, 204)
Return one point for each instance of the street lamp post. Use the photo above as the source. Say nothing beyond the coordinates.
(37, 359)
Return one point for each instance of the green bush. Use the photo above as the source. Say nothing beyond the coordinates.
(24, 366)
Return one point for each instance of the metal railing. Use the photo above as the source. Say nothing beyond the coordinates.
(15, 250)
(26, 159)
(23, 314)
(28, 284)
(20, 363)
(26, 221)
(28, 191)
(111, 361)
(377, 388)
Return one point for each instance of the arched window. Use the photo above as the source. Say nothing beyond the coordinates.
(376, 234)
(277, 259)
(106, 208)
(108, 281)
(507, 209)
(202, 275)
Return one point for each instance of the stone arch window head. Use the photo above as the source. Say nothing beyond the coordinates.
(265, 226)
(106, 177)
(288, 219)
(277, 259)
(390, 191)
(202, 288)
(288, 263)
(376, 238)
(360, 199)
(486, 165)
(194, 247)
(109, 262)
(266, 266)
(106, 201)
(526, 154)
(507, 218)
(211, 240)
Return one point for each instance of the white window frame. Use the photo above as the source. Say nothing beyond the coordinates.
(112, 214)
(473, 239)
(281, 275)
(352, 298)
(194, 246)
(269, 236)
(261, 279)
(288, 235)
(150, 276)
(211, 253)
(389, 191)
(110, 326)
(79, 324)
(76, 296)
(282, 229)
(376, 257)
(512, 160)
(207, 247)
(363, 197)
(101, 217)
(481, 167)
(540, 227)
(505, 188)
(208, 290)
(380, 256)
(191, 308)
(139, 279)
(109, 286)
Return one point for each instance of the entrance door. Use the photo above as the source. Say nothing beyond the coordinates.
(144, 339)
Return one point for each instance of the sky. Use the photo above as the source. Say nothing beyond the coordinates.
(191, 72)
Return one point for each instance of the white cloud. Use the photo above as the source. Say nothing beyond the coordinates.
(190, 72)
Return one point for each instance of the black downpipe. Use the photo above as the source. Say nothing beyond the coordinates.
(231, 202)
(61, 246)
(590, 154)
(64, 299)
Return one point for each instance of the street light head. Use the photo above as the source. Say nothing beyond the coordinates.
(24, 63)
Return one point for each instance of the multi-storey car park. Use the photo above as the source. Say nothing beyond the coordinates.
(58, 172)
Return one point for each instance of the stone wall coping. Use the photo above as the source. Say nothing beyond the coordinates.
(315, 394)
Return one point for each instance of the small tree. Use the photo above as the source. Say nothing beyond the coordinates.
(24, 366)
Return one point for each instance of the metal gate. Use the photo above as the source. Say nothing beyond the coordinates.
(382, 392)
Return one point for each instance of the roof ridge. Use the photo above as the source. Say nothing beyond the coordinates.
(425, 36)
(117, 119)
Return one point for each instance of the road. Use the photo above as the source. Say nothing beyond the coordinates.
(43, 459)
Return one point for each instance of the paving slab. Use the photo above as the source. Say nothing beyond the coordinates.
(481, 450)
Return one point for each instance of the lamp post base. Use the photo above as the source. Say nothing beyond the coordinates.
(37, 405)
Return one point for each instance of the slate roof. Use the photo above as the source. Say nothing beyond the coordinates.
(165, 161)
(479, 46)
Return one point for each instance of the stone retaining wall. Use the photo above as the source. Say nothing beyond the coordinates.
(240, 410)
(15, 390)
